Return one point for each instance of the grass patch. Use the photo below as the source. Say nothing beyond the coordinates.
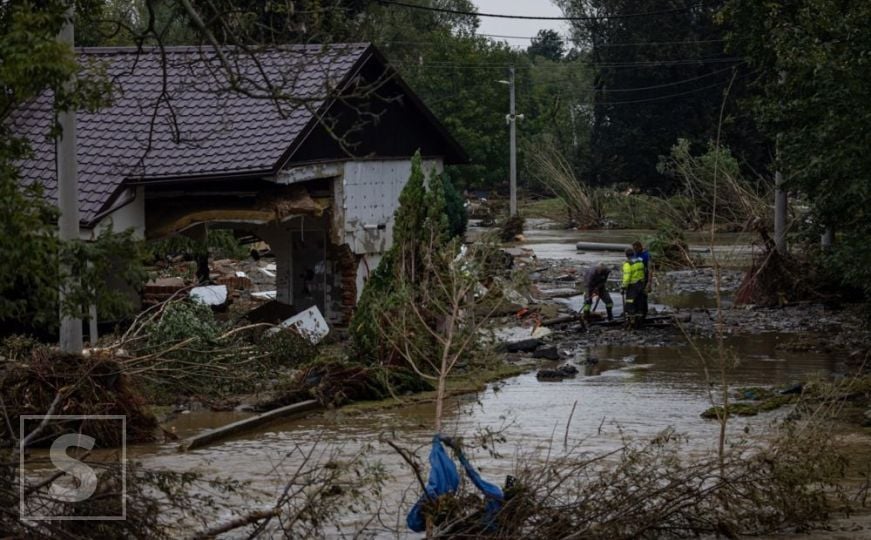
(553, 208)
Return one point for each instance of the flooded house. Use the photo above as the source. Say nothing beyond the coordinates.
(305, 147)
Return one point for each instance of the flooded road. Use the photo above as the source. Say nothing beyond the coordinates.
(620, 391)
(547, 243)
(629, 391)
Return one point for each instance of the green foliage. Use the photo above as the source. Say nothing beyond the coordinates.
(548, 44)
(712, 188)
(455, 208)
(18, 348)
(34, 62)
(105, 267)
(220, 244)
(287, 349)
(186, 351)
(421, 225)
(647, 96)
(185, 320)
(811, 93)
(31, 257)
(28, 251)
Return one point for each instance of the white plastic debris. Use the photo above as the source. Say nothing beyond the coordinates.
(240, 273)
(267, 272)
(265, 295)
(309, 323)
(210, 295)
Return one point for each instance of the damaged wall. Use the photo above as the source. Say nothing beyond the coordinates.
(366, 199)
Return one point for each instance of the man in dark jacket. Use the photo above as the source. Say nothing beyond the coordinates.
(644, 255)
(597, 278)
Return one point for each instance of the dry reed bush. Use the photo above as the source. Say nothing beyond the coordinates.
(661, 489)
(556, 174)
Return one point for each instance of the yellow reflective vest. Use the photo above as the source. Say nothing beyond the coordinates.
(633, 272)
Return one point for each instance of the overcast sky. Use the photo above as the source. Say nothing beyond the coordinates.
(513, 27)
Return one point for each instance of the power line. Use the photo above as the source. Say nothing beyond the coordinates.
(664, 85)
(720, 84)
(603, 46)
(640, 64)
(534, 17)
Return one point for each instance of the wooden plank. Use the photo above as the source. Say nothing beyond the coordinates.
(651, 319)
(247, 424)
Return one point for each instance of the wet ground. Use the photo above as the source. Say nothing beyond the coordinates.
(635, 386)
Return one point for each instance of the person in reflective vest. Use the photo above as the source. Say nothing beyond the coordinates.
(632, 287)
(597, 278)
(644, 255)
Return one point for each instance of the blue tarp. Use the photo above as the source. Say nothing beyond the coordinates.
(444, 478)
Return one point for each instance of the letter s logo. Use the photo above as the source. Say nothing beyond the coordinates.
(84, 478)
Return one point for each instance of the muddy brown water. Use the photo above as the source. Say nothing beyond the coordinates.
(632, 391)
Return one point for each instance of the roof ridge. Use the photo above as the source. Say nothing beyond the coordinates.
(130, 49)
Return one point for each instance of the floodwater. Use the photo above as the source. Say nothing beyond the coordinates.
(620, 391)
(628, 391)
(547, 243)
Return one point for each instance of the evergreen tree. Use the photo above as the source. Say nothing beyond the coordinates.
(548, 44)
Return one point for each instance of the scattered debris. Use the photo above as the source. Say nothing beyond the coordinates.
(215, 435)
(511, 228)
(161, 289)
(51, 382)
(210, 295)
(547, 353)
(566, 371)
(309, 323)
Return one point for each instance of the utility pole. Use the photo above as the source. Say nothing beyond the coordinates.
(68, 192)
(512, 121)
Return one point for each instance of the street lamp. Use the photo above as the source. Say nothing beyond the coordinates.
(511, 119)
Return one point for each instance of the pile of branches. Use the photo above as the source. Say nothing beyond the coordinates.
(775, 278)
(50, 382)
(654, 490)
(335, 383)
(178, 348)
(511, 228)
(670, 250)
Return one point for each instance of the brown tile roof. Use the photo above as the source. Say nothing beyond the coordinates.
(180, 118)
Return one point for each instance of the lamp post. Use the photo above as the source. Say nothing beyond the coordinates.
(511, 118)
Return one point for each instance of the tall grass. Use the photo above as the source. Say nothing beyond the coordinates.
(585, 204)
